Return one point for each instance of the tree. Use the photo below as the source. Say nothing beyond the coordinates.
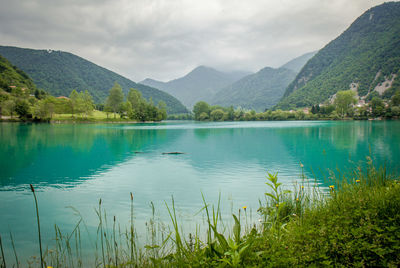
(162, 111)
(76, 102)
(203, 116)
(87, 103)
(343, 101)
(22, 108)
(377, 106)
(9, 106)
(395, 101)
(128, 111)
(115, 98)
(200, 108)
(217, 115)
(230, 113)
(3, 98)
(138, 105)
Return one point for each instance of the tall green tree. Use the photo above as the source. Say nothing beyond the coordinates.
(395, 101)
(201, 109)
(162, 111)
(76, 102)
(3, 98)
(87, 103)
(343, 102)
(9, 106)
(377, 106)
(115, 98)
(22, 108)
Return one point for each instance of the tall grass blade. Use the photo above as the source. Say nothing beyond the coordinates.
(2, 253)
(15, 252)
(38, 222)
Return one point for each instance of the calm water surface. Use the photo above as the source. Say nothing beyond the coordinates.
(75, 165)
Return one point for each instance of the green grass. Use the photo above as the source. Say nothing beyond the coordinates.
(354, 223)
(95, 116)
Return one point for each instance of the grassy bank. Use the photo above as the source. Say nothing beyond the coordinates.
(356, 222)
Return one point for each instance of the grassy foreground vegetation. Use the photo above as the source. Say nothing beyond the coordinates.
(356, 222)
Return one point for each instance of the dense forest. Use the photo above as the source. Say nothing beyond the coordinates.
(58, 73)
(343, 107)
(20, 98)
(367, 54)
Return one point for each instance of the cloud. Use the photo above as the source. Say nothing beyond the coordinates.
(165, 39)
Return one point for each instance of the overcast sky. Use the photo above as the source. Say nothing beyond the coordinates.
(165, 39)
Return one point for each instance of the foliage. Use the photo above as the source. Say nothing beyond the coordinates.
(201, 110)
(180, 117)
(377, 106)
(365, 54)
(22, 108)
(344, 101)
(115, 99)
(343, 108)
(11, 76)
(60, 72)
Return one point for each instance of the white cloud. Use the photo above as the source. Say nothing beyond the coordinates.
(165, 39)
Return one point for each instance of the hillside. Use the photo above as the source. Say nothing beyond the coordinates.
(12, 76)
(60, 72)
(256, 91)
(297, 63)
(200, 84)
(366, 58)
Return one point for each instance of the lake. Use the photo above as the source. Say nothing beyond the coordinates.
(74, 165)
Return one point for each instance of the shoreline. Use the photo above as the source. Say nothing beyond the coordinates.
(118, 121)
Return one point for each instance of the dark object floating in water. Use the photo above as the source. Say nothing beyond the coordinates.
(138, 152)
(174, 153)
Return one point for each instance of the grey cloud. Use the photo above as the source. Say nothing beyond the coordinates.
(166, 39)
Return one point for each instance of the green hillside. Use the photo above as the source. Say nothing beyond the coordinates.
(256, 91)
(60, 72)
(365, 56)
(12, 76)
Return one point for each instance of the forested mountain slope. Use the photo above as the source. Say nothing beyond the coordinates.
(60, 72)
(11, 76)
(366, 57)
(256, 91)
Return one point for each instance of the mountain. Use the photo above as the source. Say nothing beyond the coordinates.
(60, 72)
(256, 91)
(366, 58)
(12, 76)
(297, 63)
(200, 84)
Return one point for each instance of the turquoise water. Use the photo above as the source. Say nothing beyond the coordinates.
(75, 165)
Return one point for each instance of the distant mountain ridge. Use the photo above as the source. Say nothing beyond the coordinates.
(365, 58)
(256, 91)
(263, 89)
(199, 84)
(60, 72)
(297, 63)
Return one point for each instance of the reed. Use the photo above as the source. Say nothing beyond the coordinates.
(2, 254)
(14, 250)
(38, 224)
